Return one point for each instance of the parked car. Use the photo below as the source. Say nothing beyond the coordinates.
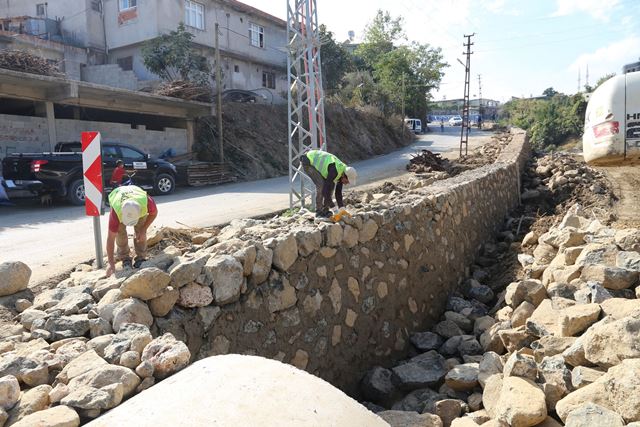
(455, 121)
(60, 173)
(414, 125)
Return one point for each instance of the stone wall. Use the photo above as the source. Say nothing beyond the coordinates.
(336, 299)
(29, 134)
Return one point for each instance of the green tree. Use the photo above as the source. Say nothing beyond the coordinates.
(172, 57)
(336, 60)
(381, 35)
(549, 92)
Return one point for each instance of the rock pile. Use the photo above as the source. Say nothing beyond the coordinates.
(561, 345)
(426, 161)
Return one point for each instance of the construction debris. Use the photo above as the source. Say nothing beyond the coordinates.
(186, 90)
(426, 161)
(196, 173)
(18, 60)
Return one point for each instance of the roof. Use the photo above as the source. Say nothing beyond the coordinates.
(15, 84)
(243, 7)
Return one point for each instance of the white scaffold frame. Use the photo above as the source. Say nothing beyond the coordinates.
(306, 123)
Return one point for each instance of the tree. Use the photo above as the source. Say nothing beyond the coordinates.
(336, 60)
(549, 92)
(380, 37)
(172, 57)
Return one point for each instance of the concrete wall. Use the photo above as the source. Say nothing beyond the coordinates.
(110, 75)
(341, 298)
(30, 134)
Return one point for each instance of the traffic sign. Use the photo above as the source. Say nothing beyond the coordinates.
(92, 171)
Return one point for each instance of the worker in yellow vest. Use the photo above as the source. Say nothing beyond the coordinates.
(327, 171)
(131, 206)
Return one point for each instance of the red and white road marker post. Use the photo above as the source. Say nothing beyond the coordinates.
(92, 171)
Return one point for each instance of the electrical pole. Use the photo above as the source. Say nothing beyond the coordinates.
(480, 96)
(305, 120)
(402, 118)
(464, 130)
(219, 86)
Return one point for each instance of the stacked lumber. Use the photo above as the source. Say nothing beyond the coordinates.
(186, 90)
(197, 173)
(25, 62)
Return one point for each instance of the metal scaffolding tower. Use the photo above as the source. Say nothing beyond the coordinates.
(464, 130)
(306, 123)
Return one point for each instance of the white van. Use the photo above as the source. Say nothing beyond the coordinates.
(612, 121)
(414, 125)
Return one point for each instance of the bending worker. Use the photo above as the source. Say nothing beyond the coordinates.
(130, 207)
(327, 171)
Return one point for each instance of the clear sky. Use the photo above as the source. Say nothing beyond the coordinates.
(521, 46)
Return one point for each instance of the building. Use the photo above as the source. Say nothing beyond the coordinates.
(112, 32)
(453, 107)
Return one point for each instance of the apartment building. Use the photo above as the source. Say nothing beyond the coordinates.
(252, 43)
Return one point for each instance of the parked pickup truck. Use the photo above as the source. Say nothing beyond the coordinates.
(60, 173)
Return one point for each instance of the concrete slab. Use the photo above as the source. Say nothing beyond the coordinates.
(235, 390)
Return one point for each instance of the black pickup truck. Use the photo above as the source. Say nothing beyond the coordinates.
(60, 173)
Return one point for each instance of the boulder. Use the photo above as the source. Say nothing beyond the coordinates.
(285, 252)
(556, 379)
(131, 310)
(62, 327)
(574, 354)
(377, 385)
(448, 410)
(618, 308)
(590, 414)
(576, 319)
(86, 362)
(448, 329)
(31, 401)
(463, 377)
(9, 392)
(425, 341)
(629, 260)
(616, 390)
(100, 377)
(521, 403)
(167, 355)
(89, 398)
(516, 338)
(461, 320)
(25, 369)
(130, 337)
(194, 295)
(519, 365)
(410, 419)
(14, 277)
(162, 305)
(491, 364)
(146, 284)
(186, 271)
(544, 253)
(550, 345)
(530, 290)
(610, 277)
(58, 416)
(225, 274)
(522, 313)
(582, 376)
(422, 400)
(598, 253)
(609, 341)
(261, 266)
(424, 370)
(628, 239)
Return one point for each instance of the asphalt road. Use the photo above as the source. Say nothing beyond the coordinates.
(52, 240)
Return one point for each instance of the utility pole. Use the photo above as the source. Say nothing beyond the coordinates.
(305, 120)
(402, 118)
(480, 95)
(464, 130)
(219, 86)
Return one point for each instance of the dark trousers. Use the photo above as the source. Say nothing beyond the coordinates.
(322, 205)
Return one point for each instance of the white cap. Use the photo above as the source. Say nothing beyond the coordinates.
(351, 174)
(130, 213)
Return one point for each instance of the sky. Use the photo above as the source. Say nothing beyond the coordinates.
(521, 47)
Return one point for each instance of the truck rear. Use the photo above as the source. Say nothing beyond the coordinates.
(612, 122)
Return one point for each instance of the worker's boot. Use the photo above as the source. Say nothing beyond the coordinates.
(138, 262)
(126, 263)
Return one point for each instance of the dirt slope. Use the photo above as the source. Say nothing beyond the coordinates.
(256, 137)
(625, 181)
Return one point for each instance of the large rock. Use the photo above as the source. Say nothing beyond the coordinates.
(25, 369)
(521, 403)
(576, 319)
(629, 260)
(519, 365)
(62, 327)
(58, 416)
(616, 390)
(285, 252)
(410, 419)
(463, 377)
(167, 355)
(590, 414)
(31, 401)
(146, 284)
(582, 376)
(225, 274)
(491, 364)
(194, 295)
(422, 400)
(162, 305)
(628, 239)
(103, 376)
(609, 341)
(9, 392)
(14, 277)
(131, 310)
(618, 308)
(261, 266)
(130, 337)
(377, 385)
(530, 290)
(610, 277)
(424, 370)
(186, 270)
(93, 398)
(544, 320)
(425, 341)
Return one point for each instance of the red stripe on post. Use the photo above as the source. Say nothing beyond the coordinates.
(87, 138)
(94, 173)
(91, 209)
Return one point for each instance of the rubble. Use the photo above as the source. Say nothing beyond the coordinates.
(19, 60)
(187, 90)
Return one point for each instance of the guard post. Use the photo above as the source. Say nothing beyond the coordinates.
(92, 172)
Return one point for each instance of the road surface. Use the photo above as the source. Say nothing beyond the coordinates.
(53, 240)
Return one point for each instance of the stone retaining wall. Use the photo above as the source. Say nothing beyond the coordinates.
(337, 299)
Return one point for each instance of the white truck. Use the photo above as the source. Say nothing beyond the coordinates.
(612, 121)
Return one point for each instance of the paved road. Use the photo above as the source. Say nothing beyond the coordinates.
(52, 240)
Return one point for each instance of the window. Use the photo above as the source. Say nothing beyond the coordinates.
(125, 63)
(128, 4)
(268, 80)
(256, 35)
(109, 152)
(96, 5)
(194, 14)
(132, 155)
(41, 9)
(236, 68)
